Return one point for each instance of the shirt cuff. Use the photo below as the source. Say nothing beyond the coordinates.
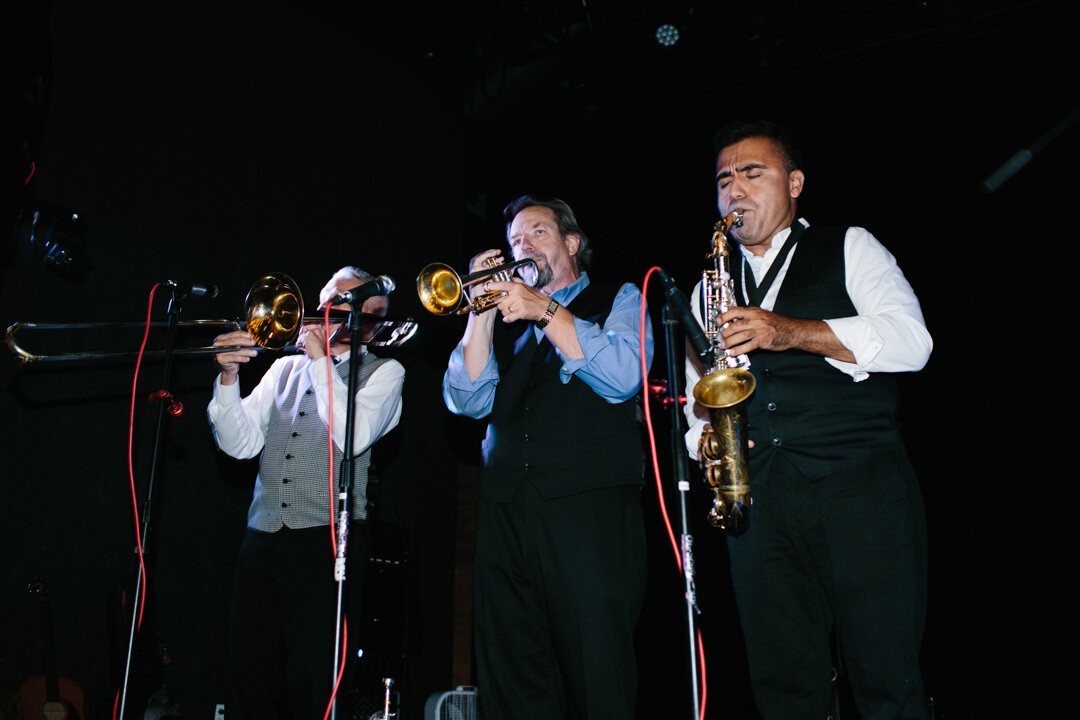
(226, 394)
(861, 339)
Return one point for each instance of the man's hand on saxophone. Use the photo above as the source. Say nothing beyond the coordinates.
(751, 328)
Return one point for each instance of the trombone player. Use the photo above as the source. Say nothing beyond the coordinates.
(560, 546)
(281, 644)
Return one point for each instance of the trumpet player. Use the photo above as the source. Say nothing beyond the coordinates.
(281, 644)
(560, 546)
(836, 544)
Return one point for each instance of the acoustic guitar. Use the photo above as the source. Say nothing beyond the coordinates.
(47, 696)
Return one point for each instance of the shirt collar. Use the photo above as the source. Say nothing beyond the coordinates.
(777, 244)
(565, 296)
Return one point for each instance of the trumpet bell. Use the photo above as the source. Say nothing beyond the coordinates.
(275, 310)
(439, 288)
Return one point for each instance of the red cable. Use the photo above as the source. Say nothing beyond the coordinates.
(330, 433)
(649, 425)
(656, 474)
(131, 476)
(333, 505)
(131, 466)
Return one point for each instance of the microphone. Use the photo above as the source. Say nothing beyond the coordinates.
(193, 288)
(382, 285)
(681, 310)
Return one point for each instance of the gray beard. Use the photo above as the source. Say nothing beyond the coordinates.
(544, 275)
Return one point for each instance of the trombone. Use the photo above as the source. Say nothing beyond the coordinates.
(442, 290)
(274, 315)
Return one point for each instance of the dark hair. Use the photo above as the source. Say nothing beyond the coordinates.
(564, 216)
(742, 129)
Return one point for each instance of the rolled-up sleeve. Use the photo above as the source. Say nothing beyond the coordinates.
(611, 365)
(468, 397)
(889, 333)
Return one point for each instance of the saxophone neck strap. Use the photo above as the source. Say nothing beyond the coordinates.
(755, 293)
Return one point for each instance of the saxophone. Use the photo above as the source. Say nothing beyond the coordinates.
(724, 390)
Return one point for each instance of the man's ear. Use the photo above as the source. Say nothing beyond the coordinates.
(795, 181)
(573, 242)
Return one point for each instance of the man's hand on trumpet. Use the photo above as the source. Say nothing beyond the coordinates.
(519, 301)
(478, 263)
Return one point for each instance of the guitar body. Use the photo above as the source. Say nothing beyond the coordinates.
(48, 696)
(32, 701)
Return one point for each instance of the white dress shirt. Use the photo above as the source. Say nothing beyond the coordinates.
(239, 425)
(888, 333)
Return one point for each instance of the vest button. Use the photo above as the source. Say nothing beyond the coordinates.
(301, 413)
(285, 505)
(309, 392)
(288, 456)
(766, 372)
(526, 467)
(296, 434)
(772, 407)
(284, 480)
(526, 437)
(777, 442)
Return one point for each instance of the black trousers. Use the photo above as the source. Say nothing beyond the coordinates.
(282, 629)
(844, 553)
(558, 589)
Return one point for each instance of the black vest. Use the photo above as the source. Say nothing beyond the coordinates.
(803, 407)
(564, 439)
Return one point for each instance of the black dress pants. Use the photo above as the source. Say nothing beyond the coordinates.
(558, 589)
(844, 552)
(282, 626)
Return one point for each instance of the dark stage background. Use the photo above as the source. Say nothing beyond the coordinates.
(218, 141)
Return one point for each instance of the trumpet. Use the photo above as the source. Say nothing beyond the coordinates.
(442, 290)
(274, 316)
(724, 389)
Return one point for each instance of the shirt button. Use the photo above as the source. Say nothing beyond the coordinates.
(526, 437)
(766, 372)
(526, 467)
(777, 442)
(772, 406)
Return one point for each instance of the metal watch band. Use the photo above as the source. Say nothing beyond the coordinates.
(548, 314)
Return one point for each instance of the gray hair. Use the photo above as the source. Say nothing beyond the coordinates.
(564, 217)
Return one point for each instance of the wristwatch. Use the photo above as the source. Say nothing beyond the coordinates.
(548, 314)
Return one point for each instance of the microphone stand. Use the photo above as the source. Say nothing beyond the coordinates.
(674, 402)
(345, 490)
(166, 403)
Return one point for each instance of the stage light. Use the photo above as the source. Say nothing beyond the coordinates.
(57, 238)
(667, 35)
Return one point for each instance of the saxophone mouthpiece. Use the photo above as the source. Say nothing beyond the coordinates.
(737, 222)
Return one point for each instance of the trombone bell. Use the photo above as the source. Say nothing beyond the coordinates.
(275, 311)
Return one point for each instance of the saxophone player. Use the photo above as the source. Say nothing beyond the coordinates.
(837, 542)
